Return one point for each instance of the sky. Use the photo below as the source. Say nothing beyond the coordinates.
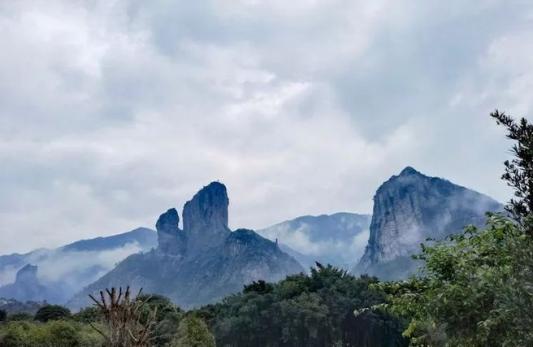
(111, 111)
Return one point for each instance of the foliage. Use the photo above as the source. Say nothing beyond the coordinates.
(519, 171)
(53, 333)
(260, 287)
(88, 315)
(474, 291)
(3, 315)
(193, 332)
(125, 321)
(303, 310)
(52, 312)
(22, 316)
(167, 318)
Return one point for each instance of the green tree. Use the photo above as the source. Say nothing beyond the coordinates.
(88, 315)
(193, 332)
(312, 310)
(15, 334)
(52, 312)
(166, 320)
(22, 316)
(519, 171)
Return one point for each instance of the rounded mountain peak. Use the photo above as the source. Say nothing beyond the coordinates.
(168, 220)
(409, 170)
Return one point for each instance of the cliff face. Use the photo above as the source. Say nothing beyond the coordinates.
(410, 208)
(205, 218)
(202, 263)
(171, 240)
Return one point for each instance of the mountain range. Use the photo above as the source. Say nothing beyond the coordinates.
(205, 261)
(57, 274)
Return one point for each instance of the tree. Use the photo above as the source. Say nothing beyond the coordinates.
(52, 312)
(193, 332)
(519, 171)
(167, 318)
(88, 315)
(22, 316)
(3, 315)
(260, 287)
(304, 310)
(474, 291)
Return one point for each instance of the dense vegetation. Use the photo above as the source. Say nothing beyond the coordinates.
(304, 310)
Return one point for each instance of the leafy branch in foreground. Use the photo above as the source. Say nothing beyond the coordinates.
(123, 319)
(519, 171)
(474, 291)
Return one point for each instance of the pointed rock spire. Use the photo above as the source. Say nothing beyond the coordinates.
(205, 216)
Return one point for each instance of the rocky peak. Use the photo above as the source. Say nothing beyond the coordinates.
(170, 238)
(411, 207)
(168, 221)
(26, 286)
(409, 171)
(27, 274)
(205, 216)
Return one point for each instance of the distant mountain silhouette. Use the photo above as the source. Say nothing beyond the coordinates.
(338, 239)
(59, 273)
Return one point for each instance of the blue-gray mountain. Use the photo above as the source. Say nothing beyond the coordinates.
(202, 263)
(410, 208)
(338, 239)
(55, 275)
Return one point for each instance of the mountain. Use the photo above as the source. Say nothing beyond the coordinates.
(338, 239)
(26, 286)
(410, 208)
(55, 275)
(202, 263)
(144, 237)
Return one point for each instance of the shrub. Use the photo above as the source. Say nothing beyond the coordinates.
(52, 312)
(193, 332)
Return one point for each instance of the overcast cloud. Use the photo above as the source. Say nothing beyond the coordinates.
(113, 111)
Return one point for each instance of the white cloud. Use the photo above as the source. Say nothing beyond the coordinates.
(111, 112)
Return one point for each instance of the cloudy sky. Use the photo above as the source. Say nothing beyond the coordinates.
(113, 111)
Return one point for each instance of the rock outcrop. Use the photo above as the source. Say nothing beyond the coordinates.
(26, 286)
(410, 208)
(171, 240)
(202, 263)
(205, 218)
